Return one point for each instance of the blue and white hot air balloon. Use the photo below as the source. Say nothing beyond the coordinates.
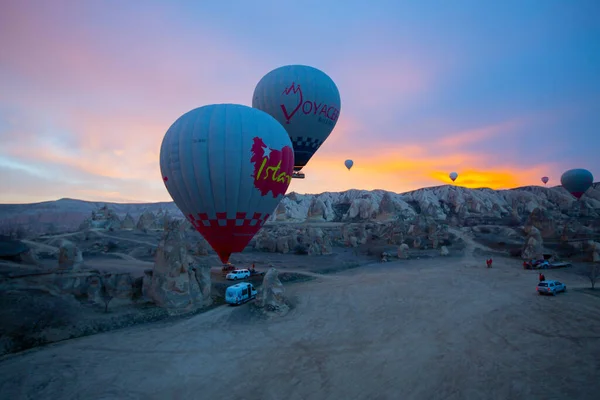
(305, 101)
(226, 166)
(348, 164)
(453, 176)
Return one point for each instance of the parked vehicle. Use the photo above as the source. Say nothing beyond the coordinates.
(254, 272)
(240, 293)
(543, 264)
(536, 264)
(551, 287)
(238, 274)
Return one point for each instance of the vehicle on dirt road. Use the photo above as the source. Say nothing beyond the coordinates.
(240, 293)
(544, 264)
(551, 287)
(536, 264)
(238, 274)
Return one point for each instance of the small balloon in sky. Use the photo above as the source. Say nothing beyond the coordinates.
(577, 181)
(348, 164)
(545, 179)
(453, 176)
(226, 166)
(306, 101)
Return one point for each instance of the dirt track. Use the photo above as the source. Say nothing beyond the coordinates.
(429, 329)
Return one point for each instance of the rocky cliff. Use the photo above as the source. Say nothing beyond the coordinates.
(553, 211)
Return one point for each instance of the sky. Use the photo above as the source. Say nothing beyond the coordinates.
(501, 92)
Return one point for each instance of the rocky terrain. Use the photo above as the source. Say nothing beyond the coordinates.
(70, 268)
(453, 204)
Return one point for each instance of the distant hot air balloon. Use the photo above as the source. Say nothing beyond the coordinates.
(226, 166)
(453, 176)
(305, 101)
(348, 163)
(577, 181)
(545, 179)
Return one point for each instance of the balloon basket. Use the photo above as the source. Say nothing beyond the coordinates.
(298, 175)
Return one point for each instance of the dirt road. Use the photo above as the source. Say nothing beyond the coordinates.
(428, 329)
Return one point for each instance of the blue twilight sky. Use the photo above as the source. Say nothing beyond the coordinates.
(502, 92)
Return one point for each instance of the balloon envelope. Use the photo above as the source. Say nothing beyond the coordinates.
(453, 176)
(226, 166)
(348, 163)
(577, 181)
(305, 101)
(545, 179)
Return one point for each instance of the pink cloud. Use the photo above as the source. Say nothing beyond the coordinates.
(374, 85)
(137, 66)
(479, 134)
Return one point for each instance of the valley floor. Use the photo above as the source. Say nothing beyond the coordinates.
(421, 329)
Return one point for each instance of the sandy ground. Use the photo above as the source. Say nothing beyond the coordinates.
(425, 329)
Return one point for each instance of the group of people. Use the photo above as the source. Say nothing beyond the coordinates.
(488, 262)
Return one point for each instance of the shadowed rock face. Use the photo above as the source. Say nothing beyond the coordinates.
(534, 245)
(11, 247)
(315, 224)
(454, 205)
(176, 282)
(69, 255)
(271, 296)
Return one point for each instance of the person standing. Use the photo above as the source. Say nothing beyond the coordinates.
(542, 277)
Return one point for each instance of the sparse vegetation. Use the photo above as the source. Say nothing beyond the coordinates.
(592, 273)
(105, 292)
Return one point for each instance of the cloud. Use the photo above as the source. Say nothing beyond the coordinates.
(93, 104)
(88, 93)
(374, 86)
(417, 163)
(40, 180)
(479, 134)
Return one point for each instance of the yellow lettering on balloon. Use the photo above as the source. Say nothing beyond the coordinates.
(272, 172)
(261, 168)
(282, 177)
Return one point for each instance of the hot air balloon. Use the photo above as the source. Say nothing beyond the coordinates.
(577, 181)
(453, 176)
(305, 101)
(545, 179)
(348, 164)
(226, 166)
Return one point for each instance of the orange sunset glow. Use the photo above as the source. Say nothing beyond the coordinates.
(84, 105)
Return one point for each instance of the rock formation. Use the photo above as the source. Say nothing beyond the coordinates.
(372, 219)
(128, 222)
(403, 251)
(593, 251)
(17, 251)
(534, 245)
(69, 255)
(102, 218)
(147, 221)
(176, 282)
(271, 295)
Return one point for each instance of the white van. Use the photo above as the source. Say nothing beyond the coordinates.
(240, 293)
(238, 274)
